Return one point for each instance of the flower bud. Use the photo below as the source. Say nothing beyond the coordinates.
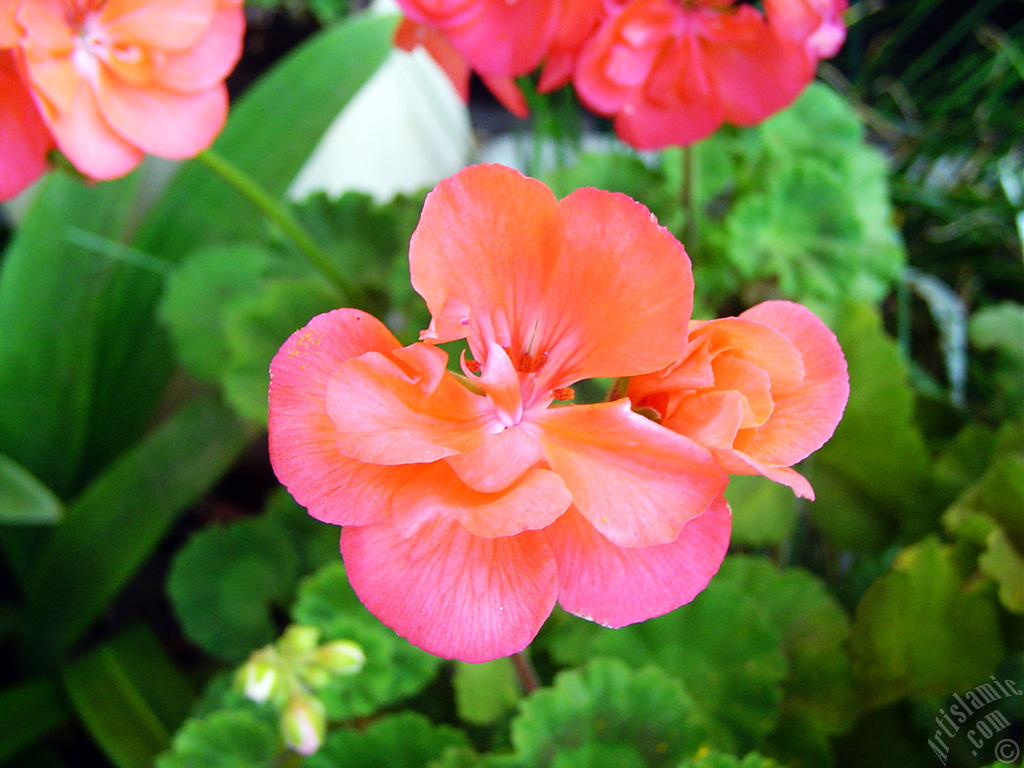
(341, 657)
(298, 640)
(260, 677)
(304, 724)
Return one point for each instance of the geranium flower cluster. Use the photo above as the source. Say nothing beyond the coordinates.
(109, 81)
(473, 501)
(669, 72)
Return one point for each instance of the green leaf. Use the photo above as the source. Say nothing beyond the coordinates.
(256, 326)
(113, 526)
(998, 497)
(988, 515)
(617, 171)
(798, 740)
(763, 512)
(27, 712)
(871, 479)
(370, 242)
(806, 207)
(394, 668)
(737, 684)
(316, 544)
(23, 499)
(484, 693)
(815, 632)
(1000, 328)
(404, 740)
(271, 132)
(712, 759)
(1004, 564)
(110, 704)
(197, 295)
(54, 295)
(458, 757)
(909, 630)
(607, 703)
(229, 738)
(225, 583)
(595, 755)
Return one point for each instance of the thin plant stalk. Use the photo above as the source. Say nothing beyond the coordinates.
(276, 212)
(524, 669)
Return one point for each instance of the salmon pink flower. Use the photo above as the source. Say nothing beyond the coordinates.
(472, 502)
(763, 390)
(117, 79)
(24, 138)
(411, 35)
(495, 37)
(672, 73)
(500, 40)
(815, 25)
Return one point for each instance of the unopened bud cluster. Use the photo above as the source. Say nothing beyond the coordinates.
(288, 673)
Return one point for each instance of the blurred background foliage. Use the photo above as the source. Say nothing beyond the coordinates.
(147, 551)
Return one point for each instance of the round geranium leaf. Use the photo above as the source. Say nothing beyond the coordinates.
(607, 703)
(404, 740)
(228, 738)
(225, 583)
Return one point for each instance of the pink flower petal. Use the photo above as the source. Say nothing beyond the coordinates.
(756, 73)
(211, 59)
(633, 480)
(805, 418)
(619, 299)
(532, 502)
(303, 447)
(162, 123)
(88, 141)
(616, 586)
(496, 38)
(508, 93)
(9, 31)
(453, 594)
(483, 245)
(44, 28)
(588, 287)
(499, 461)
(403, 408)
(169, 24)
(24, 138)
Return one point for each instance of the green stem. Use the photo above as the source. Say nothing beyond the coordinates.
(686, 195)
(527, 677)
(248, 188)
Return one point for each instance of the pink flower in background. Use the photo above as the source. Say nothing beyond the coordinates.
(815, 25)
(411, 35)
(500, 40)
(117, 79)
(24, 138)
(577, 22)
(495, 37)
(472, 503)
(671, 73)
(763, 390)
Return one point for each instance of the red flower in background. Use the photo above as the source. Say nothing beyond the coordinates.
(815, 25)
(671, 73)
(24, 137)
(114, 80)
(469, 504)
(762, 391)
(667, 72)
(502, 40)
